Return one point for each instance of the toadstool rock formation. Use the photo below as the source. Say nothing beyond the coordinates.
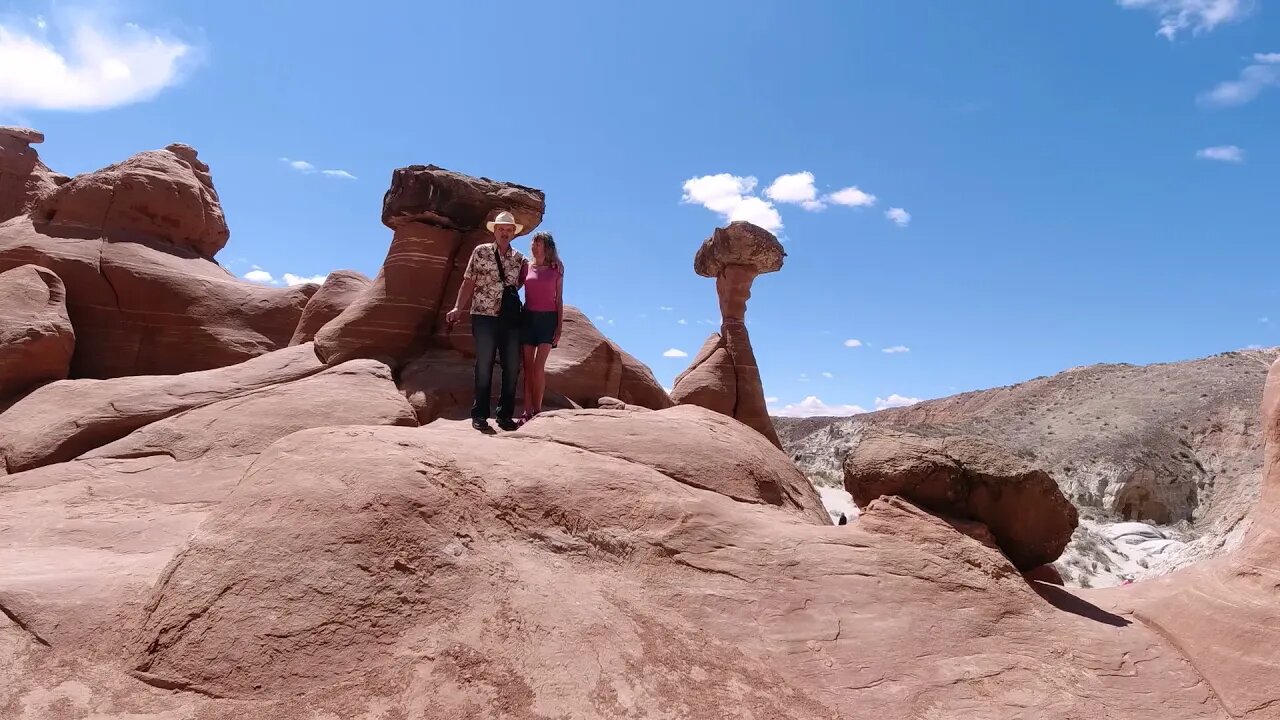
(438, 218)
(724, 376)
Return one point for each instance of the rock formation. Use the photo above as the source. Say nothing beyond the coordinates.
(587, 366)
(968, 478)
(133, 243)
(36, 337)
(438, 218)
(724, 374)
(339, 290)
(1177, 443)
(24, 180)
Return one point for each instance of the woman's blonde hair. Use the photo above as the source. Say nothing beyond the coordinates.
(549, 249)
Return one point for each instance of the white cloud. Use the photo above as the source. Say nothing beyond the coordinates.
(258, 275)
(1222, 153)
(896, 349)
(796, 189)
(828, 376)
(899, 216)
(1195, 15)
(730, 196)
(852, 197)
(307, 168)
(665, 308)
(674, 353)
(771, 400)
(851, 342)
(1253, 80)
(895, 400)
(290, 279)
(813, 407)
(681, 321)
(98, 63)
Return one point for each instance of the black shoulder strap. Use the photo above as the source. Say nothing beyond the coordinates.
(497, 260)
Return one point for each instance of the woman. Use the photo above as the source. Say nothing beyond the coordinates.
(543, 281)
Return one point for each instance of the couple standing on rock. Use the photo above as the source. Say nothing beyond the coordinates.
(501, 325)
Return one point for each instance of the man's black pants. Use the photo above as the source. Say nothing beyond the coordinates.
(495, 337)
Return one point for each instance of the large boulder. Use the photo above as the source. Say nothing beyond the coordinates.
(587, 366)
(339, 290)
(148, 307)
(36, 337)
(24, 180)
(435, 196)
(712, 453)
(158, 194)
(968, 478)
(61, 420)
(438, 218)
(111, 520)
(440, 571)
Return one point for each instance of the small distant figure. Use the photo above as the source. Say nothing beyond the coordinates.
(843, 520)
(1128, 580)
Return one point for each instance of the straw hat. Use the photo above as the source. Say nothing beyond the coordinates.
(504, 218)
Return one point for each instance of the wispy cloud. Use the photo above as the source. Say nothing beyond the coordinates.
(734, 198)
(1263, 73)
(896, 349)
(828, 375)
(852, 343)
(682, 321)
(664, 308)
(895, 400)
(674, 353)
(731, 196)
(95, 63)
(1222, 153)
(1195, 15)
(771, 400)
(796, 189)
(812, 406)
(307, 168)
(259, 275)
(899, 216)
(852, 197)
(290, 279)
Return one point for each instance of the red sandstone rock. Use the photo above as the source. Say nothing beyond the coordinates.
(36, 338)
(109, 522)
(709, 381)
(438, 217)
(164, 195)
(147, 307)
(587, 366)
(435, 196)
(724, 374)
(968, 478)
(339, 290)
(24, 180)
(391, 319)
(1224, 614)
(440, 383)
(61, 420)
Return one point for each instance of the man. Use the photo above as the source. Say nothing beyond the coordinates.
(490, 290)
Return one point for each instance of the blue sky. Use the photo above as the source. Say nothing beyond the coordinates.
(1082, 182)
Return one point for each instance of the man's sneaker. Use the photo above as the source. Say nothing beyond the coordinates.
(507, 424)
(480, 424)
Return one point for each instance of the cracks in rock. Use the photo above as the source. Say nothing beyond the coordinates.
(23, 626)
(171, 684)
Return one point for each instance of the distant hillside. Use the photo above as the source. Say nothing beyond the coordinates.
(1172, 444)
